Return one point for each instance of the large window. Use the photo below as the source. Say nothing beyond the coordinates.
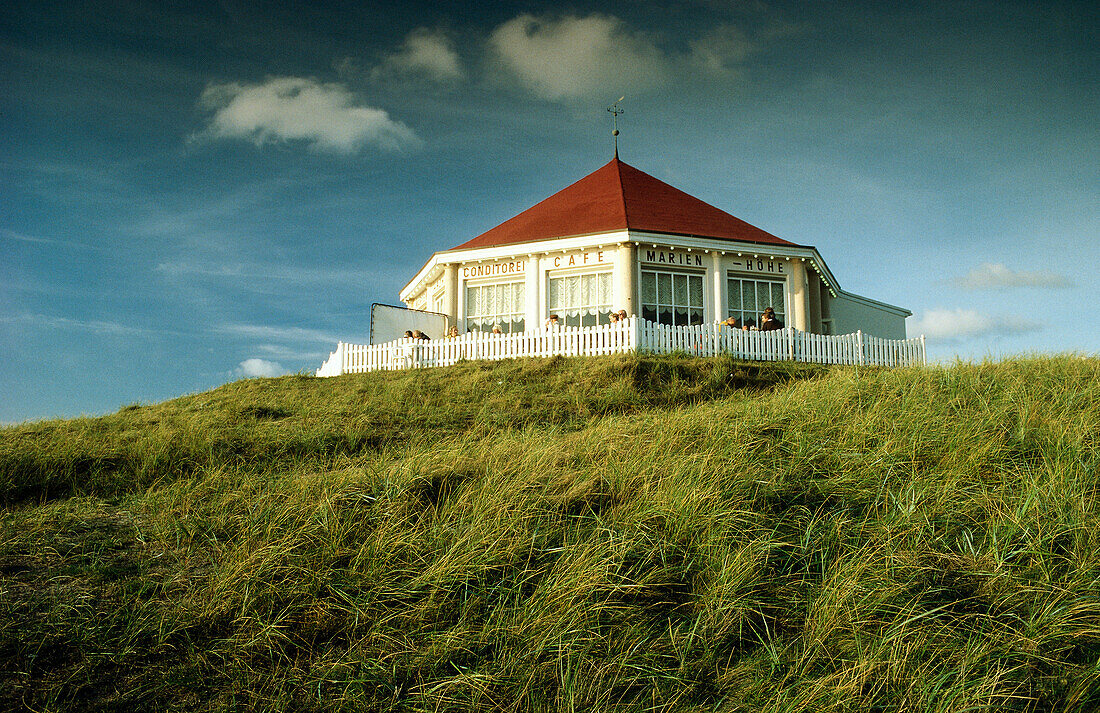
(749, 298)
(672, 297)
(498, 305)
(581, 300)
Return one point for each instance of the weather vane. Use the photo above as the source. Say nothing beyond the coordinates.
(615, 110)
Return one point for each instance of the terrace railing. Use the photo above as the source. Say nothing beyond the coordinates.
(630, 335)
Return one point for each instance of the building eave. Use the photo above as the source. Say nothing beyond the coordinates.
(439, 260)
(867, 301)
(807, 253)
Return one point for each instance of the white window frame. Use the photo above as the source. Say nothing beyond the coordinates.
(758, 308)
(693, 313)
(485, 320)
(588, 313)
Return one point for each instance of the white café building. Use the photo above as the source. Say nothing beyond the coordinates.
(620, 239)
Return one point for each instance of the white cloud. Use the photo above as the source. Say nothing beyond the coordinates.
(288, 334)
(427, 53)
(261, 273)
(96, 326)
(722, 49)
(992, 276)
(23, 238)
(961, 324)
(260, 367)
(573, 57)
(593, 57)
(324, 115)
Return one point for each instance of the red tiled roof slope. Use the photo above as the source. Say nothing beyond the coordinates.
(618, 196)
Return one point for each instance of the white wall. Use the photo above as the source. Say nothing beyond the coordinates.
(850, 313)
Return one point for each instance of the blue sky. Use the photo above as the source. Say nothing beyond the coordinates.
(195, 192)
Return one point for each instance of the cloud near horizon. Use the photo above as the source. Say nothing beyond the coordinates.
(993, 276)
(961, 324)
(324, 115)
(251, 368)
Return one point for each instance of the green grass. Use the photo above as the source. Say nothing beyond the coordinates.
(628, 533)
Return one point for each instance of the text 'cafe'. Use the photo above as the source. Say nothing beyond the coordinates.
(620, 239)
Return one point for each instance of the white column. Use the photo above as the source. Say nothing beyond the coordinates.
(450, 292)
(817, 291)
(624, 289)
(800, 296)
(532, 310)
(460, 309)
(720, 298)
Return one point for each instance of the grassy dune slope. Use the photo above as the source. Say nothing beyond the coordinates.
(622, 533)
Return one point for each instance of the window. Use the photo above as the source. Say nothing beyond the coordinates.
(581, 300)
(500, 305)
(749, 298)
(672, 297)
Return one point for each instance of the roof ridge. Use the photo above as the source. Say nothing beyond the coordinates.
(599, 203)
(619, 163)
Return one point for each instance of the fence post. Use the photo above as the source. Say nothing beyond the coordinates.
(923, 354)
(790, 343)
(859, 338)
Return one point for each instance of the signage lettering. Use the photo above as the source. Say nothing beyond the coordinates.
(497, 268)
(592, 258)
(762, 266)
(674, 258)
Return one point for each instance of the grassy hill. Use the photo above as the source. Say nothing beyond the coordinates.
(627, 533)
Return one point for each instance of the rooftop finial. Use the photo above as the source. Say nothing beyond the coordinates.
(615, 110)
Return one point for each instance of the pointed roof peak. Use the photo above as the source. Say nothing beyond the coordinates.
(618, 196)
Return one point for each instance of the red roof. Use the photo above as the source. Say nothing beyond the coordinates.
(620, 197)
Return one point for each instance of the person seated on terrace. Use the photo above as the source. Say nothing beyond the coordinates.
(408, 334)
(453, 332)
(553, 321)
(613, 317)
(768, 322)
(496, 329)
(417, 334)
(622, 315)
(732, 323)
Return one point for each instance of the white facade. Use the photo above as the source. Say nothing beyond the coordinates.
(662, 278)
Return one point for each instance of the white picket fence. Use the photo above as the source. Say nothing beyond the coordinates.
(631, 335)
